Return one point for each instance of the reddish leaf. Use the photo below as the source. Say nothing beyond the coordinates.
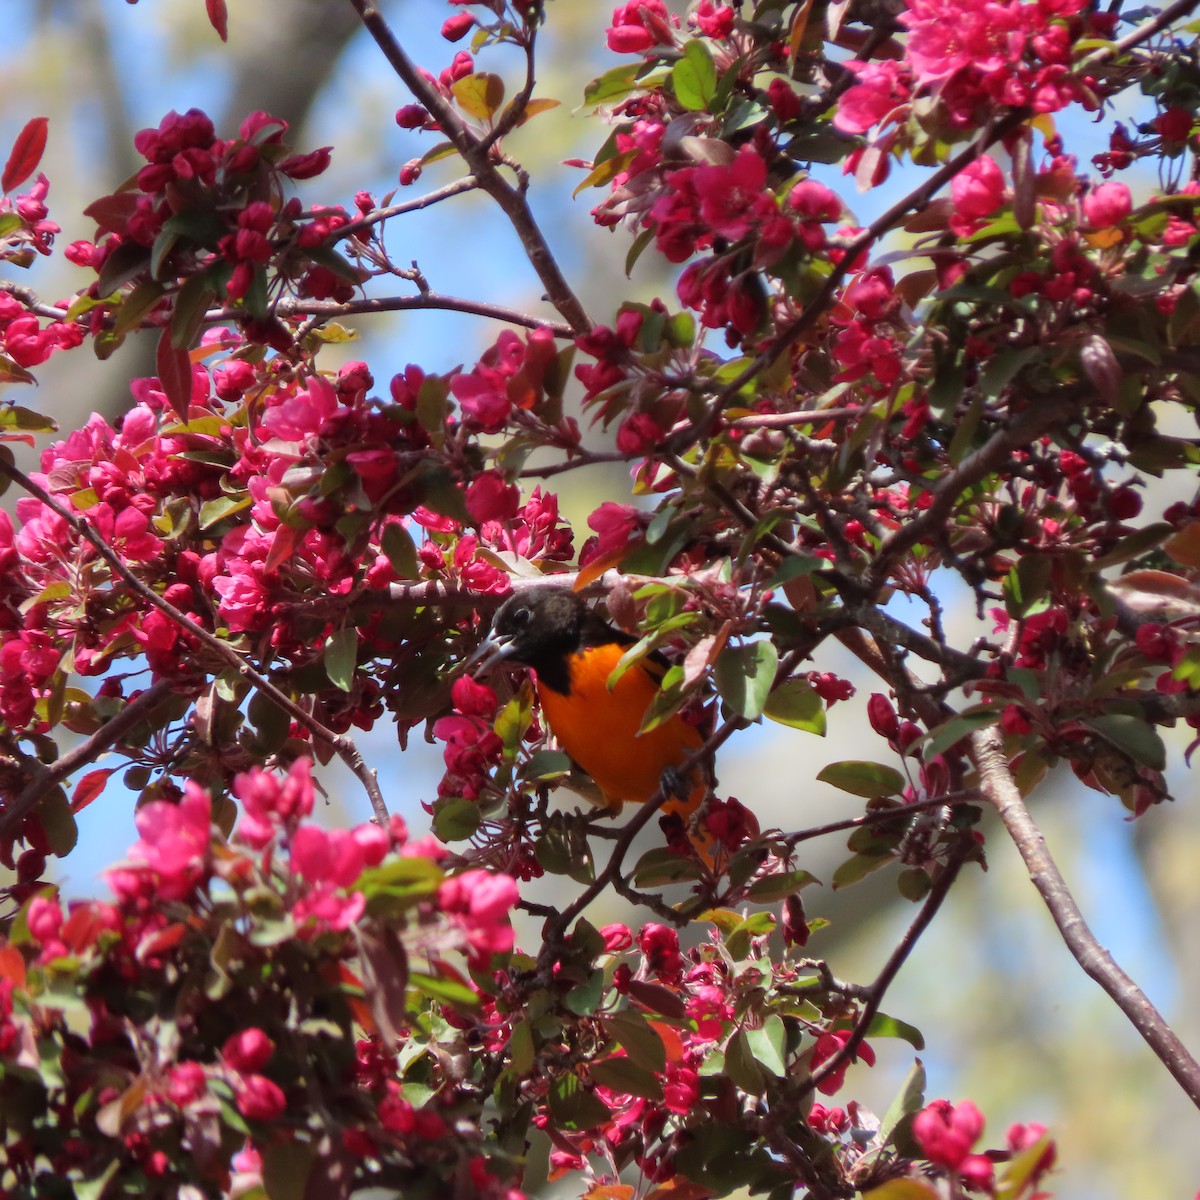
(112, 213)
(162, 941)
(26, 153)
(12, 965)
(219, 18)
(175, 375)
(89, 787)
(81, 929)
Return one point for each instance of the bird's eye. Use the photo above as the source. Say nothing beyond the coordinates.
(520, 617)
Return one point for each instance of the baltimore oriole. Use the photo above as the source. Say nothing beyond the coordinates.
(572, 652)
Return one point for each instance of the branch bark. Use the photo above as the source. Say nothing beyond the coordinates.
(1000, 790)
(478, 156)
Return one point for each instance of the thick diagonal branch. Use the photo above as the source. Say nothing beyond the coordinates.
(478, 155)
(999, 789)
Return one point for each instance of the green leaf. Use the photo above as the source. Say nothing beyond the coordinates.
(574, 1106)
(612, 85)
(401, 877)
(1027, 583)
(397, 544)
(341, 657)
(640, 243)
(744, 675)
(632, 1031)
(795, 704)
(1133, 736)
(1003, 368)
(521, 1049)
(626, 1075)
(455, 818)
(213, 511)
(286, 1170)
(58, 822)
(479, 95)
(779, 887)
(910, 1099)
(768, 1045)
(891, 1027)
(857, 868)
(448, 991)
(694, 77)
(950, 732)
(742, 1067)
(871, 780)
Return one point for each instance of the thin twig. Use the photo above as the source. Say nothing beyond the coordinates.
(342, 746)
(111, 732)
(1000, 789)
(878, 988)
(918, 198)
(482, 165)
(423, 301)
(553, 933)
(467, 183)
(881, 816)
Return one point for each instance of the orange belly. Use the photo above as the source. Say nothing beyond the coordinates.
(599, 728)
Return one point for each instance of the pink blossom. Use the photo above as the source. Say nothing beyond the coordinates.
(327, 855)
(829, 1044)
(639, 25)
(978, 189)
(946, 36)
(478, 902)
(326, 908)
(615, 525)
(946, 1132)
(268, 801)
(187, 1082)
(173, 851)
(732, 198)
(490, 497)
(659, 945)
(483, 398)
(248, 1050)
(300, 416)
(260, 1099)
(880, 89)
(455, 28)
(712, 19)
(616, 938)
(1106, 205)
(681, 1089)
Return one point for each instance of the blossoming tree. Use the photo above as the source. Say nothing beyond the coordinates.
(265, 554)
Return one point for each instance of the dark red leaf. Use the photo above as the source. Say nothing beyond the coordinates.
(89, 787)
(219, 17)
(26, 153)
(175, 374)
(112, 213)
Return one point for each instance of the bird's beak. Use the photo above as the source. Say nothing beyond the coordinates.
(494, 648)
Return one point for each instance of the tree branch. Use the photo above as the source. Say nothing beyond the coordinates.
(885, 978)
(342, 746)
(480, 162)
(111, 732)
(424, 300)
(999, 789)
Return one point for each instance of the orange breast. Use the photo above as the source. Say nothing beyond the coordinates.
(598, 728)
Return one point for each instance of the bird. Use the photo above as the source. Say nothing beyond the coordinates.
(572, 652)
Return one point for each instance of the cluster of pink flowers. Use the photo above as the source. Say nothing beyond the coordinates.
(472, 746)
(162, 928)
(947, 1134)
(975, 58)
(26, 340)
(191, 171)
